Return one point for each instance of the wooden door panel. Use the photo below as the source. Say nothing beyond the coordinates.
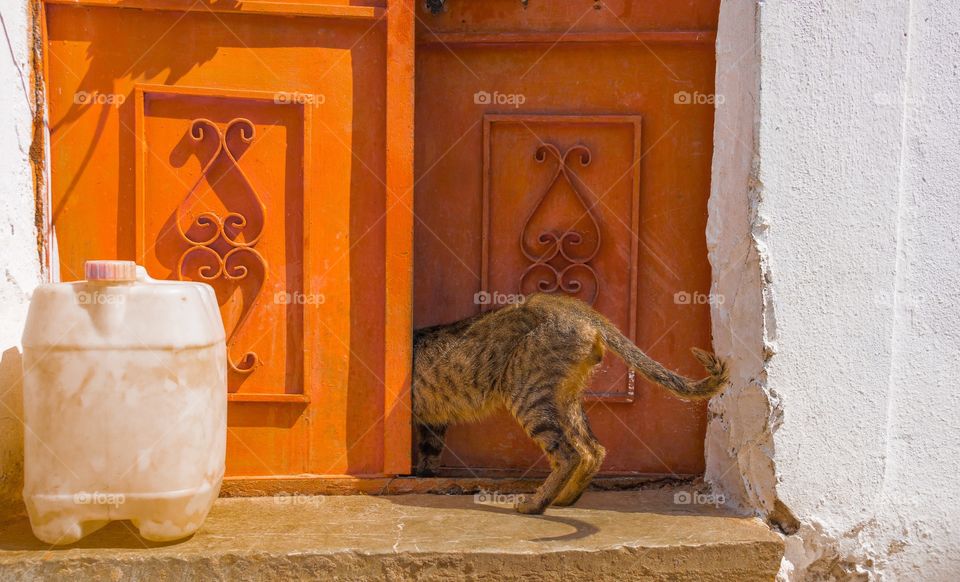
(495, 84)
(247, 145)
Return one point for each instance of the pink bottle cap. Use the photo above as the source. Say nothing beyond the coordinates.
(110, 270)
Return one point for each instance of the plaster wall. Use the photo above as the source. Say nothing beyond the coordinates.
(19, 260)
(917, 504)
(851, 208)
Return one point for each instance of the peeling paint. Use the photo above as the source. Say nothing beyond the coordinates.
(38, 148)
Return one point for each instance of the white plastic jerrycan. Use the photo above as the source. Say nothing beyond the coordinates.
(125, 404)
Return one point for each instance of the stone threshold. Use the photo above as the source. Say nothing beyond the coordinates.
(452, 483)
(609, 535)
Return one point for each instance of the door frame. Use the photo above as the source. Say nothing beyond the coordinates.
(400, 19)
(398, 340)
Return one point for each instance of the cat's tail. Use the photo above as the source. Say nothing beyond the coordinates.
(655, 372)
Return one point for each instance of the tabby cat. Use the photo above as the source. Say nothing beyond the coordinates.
(534, 358)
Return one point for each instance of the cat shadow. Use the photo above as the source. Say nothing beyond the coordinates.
(581, 529)
(662, 499)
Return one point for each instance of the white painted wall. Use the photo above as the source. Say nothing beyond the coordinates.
(19, 262)
(854, 206)
(918, 502)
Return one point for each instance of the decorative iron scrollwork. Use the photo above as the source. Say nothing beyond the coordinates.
(216, 241)
(562, 267)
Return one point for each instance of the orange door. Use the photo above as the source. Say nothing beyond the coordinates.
(566, 147)
(262, 147)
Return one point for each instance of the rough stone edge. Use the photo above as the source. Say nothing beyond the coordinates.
(740, 561)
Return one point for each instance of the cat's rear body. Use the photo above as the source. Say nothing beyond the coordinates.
(535, 359)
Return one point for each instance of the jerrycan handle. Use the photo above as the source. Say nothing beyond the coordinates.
(143, 276)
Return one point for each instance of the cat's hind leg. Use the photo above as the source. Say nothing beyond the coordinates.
(547, 373)
(577, 424)
(592, 454)
(429, 446)
(544, 422)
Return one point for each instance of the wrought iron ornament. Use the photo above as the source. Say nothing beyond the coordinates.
(558, 259)
(218, 263)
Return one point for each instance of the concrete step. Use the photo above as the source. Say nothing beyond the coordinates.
(624, 535)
